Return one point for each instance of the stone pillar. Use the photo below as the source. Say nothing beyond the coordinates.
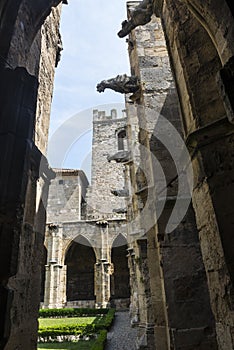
(22, 222)
(102, 268)
(134, 303)
(55, 279)
(18, 94)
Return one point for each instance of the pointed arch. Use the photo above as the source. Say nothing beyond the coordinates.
(80, 259)
(120, 280)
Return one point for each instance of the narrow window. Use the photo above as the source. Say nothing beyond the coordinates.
(121, 139)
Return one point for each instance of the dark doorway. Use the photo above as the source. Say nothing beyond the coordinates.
(80, 260)
(120, 287)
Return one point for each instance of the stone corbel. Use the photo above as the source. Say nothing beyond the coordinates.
(102, 223)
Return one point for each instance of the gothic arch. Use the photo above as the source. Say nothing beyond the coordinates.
(198, 65)
(10, 17)
(201, 64)
(80, 238)
(120, 285)
(8, 14)
(118, 240)
(218, 22)
(80, 260)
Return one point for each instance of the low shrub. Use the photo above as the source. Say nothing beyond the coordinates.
(99, 324)
(67, 330)
(71, 312)
(106, 321)
(100, 342)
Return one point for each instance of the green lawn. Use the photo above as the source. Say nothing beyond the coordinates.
(68, 321)
(91, 325)
(80, 345)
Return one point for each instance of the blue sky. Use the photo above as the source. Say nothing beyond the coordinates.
(92, 52)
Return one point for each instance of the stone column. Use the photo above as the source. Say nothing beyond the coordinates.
(55, 280)
(134, 302)
(102, 268)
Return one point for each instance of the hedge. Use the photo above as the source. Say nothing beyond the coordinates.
(67, 330)
(104, 323)
(71, 312)
(100, 342)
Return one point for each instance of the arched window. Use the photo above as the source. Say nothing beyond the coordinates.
(121, 140)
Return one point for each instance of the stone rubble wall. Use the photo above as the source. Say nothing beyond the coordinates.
(105, 176)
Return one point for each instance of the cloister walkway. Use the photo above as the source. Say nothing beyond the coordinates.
(121, 336)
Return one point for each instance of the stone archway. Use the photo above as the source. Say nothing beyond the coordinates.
(120, 287)
(80, 260)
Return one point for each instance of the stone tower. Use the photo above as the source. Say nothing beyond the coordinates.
(86, 236)
(109, 139)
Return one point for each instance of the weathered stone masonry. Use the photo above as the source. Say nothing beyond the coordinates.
(27, 71)
(200, 44)
(86, 234)
(199, 37)
(166, 307)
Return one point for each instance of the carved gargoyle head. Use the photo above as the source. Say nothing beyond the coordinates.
(101, 86)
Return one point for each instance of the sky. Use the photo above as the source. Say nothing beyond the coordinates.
(92, 51)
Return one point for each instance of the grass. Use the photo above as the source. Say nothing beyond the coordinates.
(97, 324)
(56, 322)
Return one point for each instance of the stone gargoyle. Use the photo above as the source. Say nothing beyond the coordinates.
(120, 157)
(139, 16)
(120, 193)
(122, 83)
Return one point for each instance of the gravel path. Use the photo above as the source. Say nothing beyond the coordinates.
(121, 336)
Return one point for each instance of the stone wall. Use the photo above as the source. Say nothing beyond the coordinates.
(165, 307)
(106, 175)
(26, 67)
(199, 54)
(66, 199)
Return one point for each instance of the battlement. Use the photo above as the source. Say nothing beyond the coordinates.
(102, 115)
